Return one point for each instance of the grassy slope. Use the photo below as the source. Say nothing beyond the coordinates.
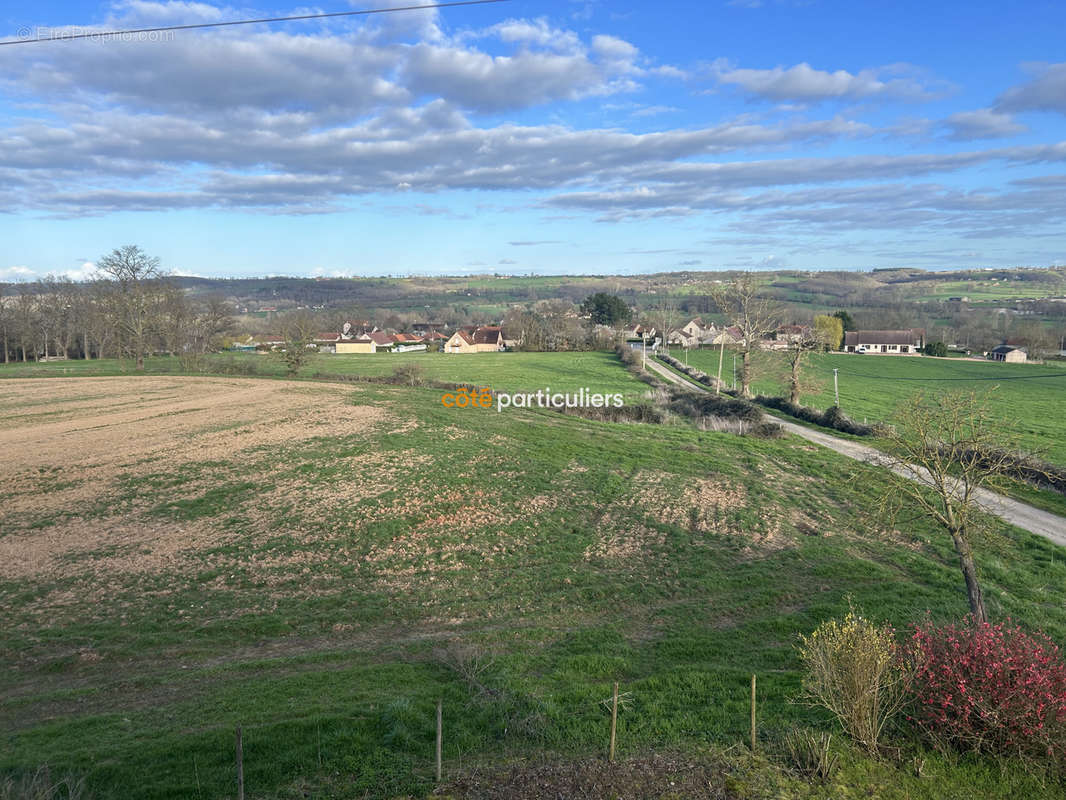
(568, 547)
(872, 387)
(565, 372)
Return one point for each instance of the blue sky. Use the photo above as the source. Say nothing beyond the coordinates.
(565, 136)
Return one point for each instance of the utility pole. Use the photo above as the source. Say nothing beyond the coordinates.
(734, 372)
(644, 350)
(721, 355)
(836, 387)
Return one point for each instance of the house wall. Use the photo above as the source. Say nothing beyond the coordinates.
(356, 347)
(458, 345)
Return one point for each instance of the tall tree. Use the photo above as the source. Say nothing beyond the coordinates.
(605, 309)
(942, 451)
(830, 330)
(808, 340)
(135, 298)
(845, 320)
(5, 325)
(753, 314)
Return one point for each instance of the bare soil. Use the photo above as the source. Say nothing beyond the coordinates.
(66, 443)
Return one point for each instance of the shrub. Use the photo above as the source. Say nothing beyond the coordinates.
(853, 667)
(40, 785)
(832, 417)
(811, 754)
(990, 688)
(409, 374)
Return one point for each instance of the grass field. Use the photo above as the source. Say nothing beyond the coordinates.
(978, 291)
(565, 372)
(180, 555)
(1029, 397)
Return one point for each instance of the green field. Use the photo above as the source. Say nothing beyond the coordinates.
(508, 372)
(300, 558)
(978, 291)
(1030, 397)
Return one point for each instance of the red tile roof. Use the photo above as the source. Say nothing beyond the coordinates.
(488, 334)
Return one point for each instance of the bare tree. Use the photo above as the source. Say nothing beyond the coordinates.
(664, 316)
(801, 343)
(943, 451)
(135, 302)
(26, 319)
(5, 325)
(754, 315)
(299, 332)
(193, 329)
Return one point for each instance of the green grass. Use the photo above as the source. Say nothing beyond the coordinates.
(567, 548)
(1029, 397)
(987, 290)
(514, 372)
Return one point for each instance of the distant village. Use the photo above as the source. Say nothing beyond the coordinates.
(365, 337)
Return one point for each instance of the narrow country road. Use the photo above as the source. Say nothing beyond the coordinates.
(1035, 520)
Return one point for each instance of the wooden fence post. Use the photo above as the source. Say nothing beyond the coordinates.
(240, 765)
(614, 722)
(753, 713)
(440, 737)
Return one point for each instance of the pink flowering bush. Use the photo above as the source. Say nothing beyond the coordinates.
(993, 689)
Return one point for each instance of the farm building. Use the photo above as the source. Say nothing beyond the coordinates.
(892, 342)
(1012, 355)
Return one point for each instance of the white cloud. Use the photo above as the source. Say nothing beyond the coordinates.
(1046, 92)
(17, 273)
(806, 84)
(984, 123)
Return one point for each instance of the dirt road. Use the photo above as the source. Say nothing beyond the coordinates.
(1035, 520)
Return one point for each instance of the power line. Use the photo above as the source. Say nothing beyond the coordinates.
(28, 39)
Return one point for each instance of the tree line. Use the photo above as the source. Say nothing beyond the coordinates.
(129, 309)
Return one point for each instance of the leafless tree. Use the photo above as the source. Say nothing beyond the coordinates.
(192, 329)
(800, 345)
(942, 451)
(135, 300)
(299, 330)
(664, 316)
(5, 324)
(26, 318)
(753, 314)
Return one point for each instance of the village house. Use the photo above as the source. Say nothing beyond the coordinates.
(786, 336)
(1005, 352)
(692, 334)
(889, 342)
(727, 336)
(483, 339)
(366, 343)
(326, 342)
(639, 332)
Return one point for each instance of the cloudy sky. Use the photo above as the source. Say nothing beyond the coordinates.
(553, 136)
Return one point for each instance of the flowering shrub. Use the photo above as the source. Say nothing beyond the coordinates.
(990, 688)
(853, 668)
